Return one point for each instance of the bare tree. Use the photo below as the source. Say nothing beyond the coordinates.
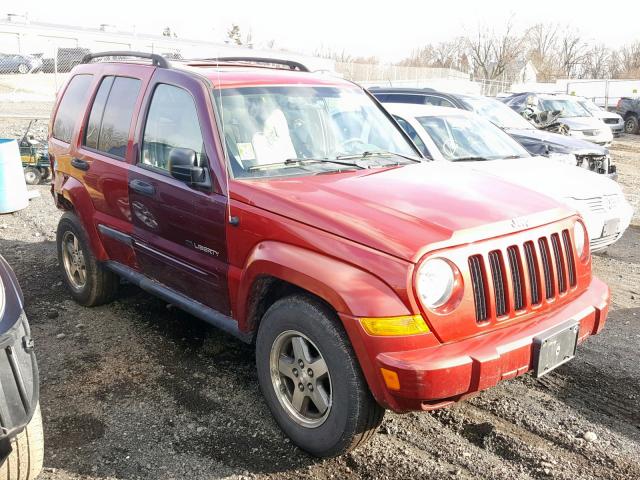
(572, 53)
(628, 61)
(597, 62)
(542, 46)
(495, 54)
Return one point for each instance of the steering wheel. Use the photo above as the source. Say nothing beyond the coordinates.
(348, 144)
(450, 147)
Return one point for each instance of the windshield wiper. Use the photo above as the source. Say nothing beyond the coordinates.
(303, 161)
(472, 159)
(380, 153)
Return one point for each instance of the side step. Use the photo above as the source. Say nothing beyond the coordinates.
(209, 315)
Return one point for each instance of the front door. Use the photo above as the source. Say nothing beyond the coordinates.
(179, 229)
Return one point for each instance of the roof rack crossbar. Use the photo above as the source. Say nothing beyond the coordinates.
(157, 60)
(292, 64)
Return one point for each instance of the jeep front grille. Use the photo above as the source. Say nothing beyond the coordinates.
(546, 265)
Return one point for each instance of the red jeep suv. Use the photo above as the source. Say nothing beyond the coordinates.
(288, 209)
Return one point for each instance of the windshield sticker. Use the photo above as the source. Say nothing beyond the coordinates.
(246, 151)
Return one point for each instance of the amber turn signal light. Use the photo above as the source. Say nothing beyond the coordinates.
(395, 326)
(391, 379)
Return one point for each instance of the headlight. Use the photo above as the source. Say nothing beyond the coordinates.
(566, 158)
(434, 282)
(581, 241)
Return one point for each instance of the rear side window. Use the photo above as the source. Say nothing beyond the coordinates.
(172, 122)
(111, 114)
(406, 98)
(71, 107)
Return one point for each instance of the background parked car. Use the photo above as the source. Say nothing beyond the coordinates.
(21, 439)
(629, 110)
(66, 59)
(16, 63)
(579, 121)
(452, 135)
(612, 119)
(566, 149)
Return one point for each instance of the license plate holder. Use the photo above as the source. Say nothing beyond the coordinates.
(611, 227)
(555, 347)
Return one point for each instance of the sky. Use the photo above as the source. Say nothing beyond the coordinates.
(388, 30)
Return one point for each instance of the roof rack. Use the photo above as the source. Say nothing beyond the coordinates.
(157, 60)
(292, 64)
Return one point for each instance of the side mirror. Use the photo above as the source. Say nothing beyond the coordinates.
(183, 166)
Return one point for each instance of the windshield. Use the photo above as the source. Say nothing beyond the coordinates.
(292, 130)
(569, 108)
(498, 113)
(468, 137)
(589, 105)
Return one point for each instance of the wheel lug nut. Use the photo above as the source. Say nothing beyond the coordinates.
(310, 387)
(295, 372)
(310, 372)
(301, 363)
(301, 387)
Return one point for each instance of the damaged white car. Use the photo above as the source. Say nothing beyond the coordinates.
(448, 134)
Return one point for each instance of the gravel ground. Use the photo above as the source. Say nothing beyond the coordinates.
(135, 389)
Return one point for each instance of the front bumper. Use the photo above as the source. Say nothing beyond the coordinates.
(603, 137)
(19, 382)
(436, 376)
(599, 238)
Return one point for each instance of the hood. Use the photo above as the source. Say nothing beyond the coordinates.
(404, 211)
(550, 177)
(583, 123)
(605, 114)
(533, 140)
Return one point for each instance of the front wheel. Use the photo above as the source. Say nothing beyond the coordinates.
(27, 452)
(32, 175)
(311, 379)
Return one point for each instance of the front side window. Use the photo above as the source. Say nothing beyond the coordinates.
(172, 122)
(462, 137)
(289, 130)
(409, 130)
(71, 107)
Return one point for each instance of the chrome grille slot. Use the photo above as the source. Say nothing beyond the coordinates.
(559, 260)
(516, 277)
(534, 278)
(476, 267)
(568, 249)
(499, 287)
(545, 257)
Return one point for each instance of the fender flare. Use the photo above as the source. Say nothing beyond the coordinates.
(348, 289)
(78, 197)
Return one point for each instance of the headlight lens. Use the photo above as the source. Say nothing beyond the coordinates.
(580, 239)
(435, 281)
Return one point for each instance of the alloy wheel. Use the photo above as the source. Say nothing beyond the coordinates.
(300, 378)
(73, 260)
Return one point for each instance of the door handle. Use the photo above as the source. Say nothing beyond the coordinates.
(143, 188)
(80, 164)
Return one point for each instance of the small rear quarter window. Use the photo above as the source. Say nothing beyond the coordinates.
(71, 107)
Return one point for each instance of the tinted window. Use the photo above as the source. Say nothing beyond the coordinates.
(116, 119)
(172, 122)
(71, 107)
(438, 101)
(95, 117)
(404, 98)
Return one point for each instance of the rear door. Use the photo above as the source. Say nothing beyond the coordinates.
(179, 229)
(105, 151)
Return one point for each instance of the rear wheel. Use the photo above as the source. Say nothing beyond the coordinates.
(311, 378)
(631, 124)
(27, 452)
(32, 175)
(89, 282)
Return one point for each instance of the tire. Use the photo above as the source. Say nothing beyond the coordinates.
(631, 124)
(352, 416)
(23, 68)
(89, 282)
(27, 452)
(45, 173)
(32, 175)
